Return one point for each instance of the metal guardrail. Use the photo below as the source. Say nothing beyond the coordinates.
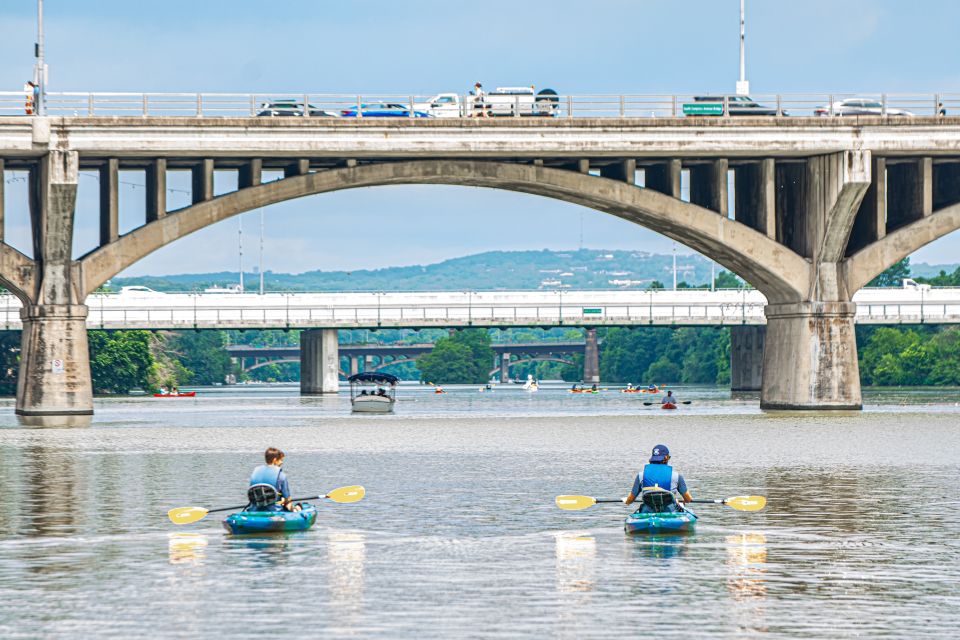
(321, 105)
(279, 311)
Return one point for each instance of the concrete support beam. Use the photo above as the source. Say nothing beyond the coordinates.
(870, 224)
(251, 174)
(505, 367)
(156, 189)
(843, 180)
(109, 202)
(298, 168)
(354, 365)
(2, 183)
(746, 357)
(319, 362)
(810, 357)
(591, 358)
(664, 177)
(755, 196)
(54, 376)
(708, 186)
(624, 171)
(202, 181)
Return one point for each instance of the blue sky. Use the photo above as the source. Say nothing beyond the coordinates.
(427, 46)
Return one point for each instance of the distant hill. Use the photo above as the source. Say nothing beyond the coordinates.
(492, 270)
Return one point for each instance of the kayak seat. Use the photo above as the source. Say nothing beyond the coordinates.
(658, 501)
(262, 496)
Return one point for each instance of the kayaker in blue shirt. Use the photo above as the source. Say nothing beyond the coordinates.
(661, 475)
(269, 489)
(669, 398)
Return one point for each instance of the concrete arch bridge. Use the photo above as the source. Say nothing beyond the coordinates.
(819, 207)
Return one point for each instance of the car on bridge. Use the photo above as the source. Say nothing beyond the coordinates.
(291, 107)
(858, 107)
(382, 110)
(737, 105)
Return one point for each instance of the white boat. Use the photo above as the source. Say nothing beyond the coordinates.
(531, 384)
(372, 392)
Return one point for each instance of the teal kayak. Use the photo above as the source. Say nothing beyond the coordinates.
(663, 522)
(271, 521)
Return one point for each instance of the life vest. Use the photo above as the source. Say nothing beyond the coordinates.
(264, 491)
(658, 475)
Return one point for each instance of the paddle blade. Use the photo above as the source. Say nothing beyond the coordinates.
(186, 515)
(746, 503)
(344, 495)
(575, 503)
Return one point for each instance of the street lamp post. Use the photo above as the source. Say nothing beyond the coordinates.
(743, 87)
(41, 70)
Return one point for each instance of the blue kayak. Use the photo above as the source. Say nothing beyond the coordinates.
(663, 522)
(271, 521)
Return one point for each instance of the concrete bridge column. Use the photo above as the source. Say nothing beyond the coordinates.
(319, 362)
(746, 357)
(54, 376)
(505, 367)
(810, 349)
(354, 365)
(591, 358)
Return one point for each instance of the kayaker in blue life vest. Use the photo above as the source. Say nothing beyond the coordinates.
(269, 489)
(657, 477)
(669, 398)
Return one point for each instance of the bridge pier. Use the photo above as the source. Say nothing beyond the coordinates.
(319, 362)
(54, 377)
(504, 367)
(746, 357)
(591, 358)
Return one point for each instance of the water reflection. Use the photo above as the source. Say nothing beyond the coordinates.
(347, 554)
(746, 580)
(186, 548)
(55, 422)
(576, 562)
(658, 547)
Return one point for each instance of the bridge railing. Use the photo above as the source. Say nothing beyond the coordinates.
(322, 105)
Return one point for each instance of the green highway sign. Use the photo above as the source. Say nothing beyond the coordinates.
(594, 311)
(703, 109)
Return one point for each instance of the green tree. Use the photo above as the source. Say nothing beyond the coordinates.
(203, 356)
(892, 277)
(655, 285)
(120, 361)
(462, 358)
(663, 371)
(726, 280)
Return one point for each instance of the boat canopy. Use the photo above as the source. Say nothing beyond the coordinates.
(373, 377)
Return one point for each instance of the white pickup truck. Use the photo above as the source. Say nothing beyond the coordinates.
(503, 101)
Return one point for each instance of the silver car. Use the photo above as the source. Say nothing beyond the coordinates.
(858, 107)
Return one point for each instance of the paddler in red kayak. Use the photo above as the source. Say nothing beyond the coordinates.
(269, 488)
(657, 479)
(669, 399)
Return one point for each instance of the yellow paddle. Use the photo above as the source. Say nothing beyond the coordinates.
(740, 503)
(186, 515)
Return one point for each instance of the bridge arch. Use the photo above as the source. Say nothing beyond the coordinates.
(774, 269)
(534, 359)
(872, 260)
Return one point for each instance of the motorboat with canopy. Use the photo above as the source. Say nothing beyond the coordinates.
(372, 392)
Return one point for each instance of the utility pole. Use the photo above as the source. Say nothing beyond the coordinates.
(41, 69)
(240, 247)
(743, 87)
(260, 268)
(674, 266)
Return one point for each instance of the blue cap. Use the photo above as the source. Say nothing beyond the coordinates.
(660, 453)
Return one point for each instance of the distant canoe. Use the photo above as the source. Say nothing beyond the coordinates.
(187, 394)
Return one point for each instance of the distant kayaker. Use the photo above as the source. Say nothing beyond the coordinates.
(269, 489)
(659, 476)
(669, 398)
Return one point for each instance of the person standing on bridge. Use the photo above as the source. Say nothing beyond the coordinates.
(479, 102)
(657, 482)
(269, 488)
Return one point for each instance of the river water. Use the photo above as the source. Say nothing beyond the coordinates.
(459, 536)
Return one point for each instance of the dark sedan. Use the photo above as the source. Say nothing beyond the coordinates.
(738, 106)
(280, 108)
